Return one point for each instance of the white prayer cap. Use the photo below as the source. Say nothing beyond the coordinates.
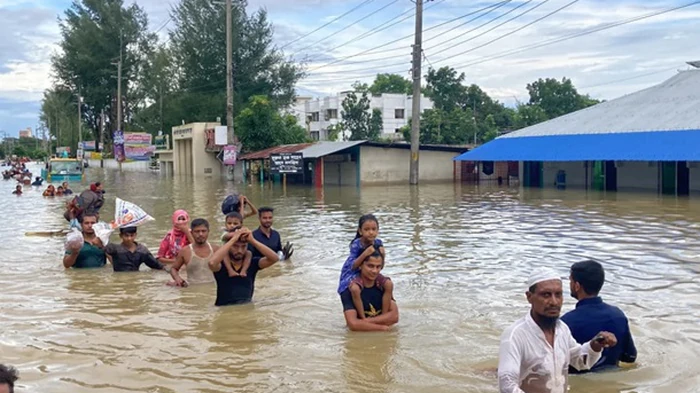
(542, 274)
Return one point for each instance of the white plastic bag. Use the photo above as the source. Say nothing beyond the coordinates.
(126, 214)
(74, 240)
(103, 231)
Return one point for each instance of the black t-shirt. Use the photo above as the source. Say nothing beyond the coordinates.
(236, 290)
(274, 242)
(371, 300)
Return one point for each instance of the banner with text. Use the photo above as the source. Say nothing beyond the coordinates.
(137, 146)
(287, 163)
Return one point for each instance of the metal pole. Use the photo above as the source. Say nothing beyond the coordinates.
(415, 125)
(229, 83)
(80, 121)
(100, 144)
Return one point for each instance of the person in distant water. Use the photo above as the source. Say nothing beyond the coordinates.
(239, 289)
(374, 316)
(18, 190)
(38, 182)
(66, 189)
(91, 254)
(592, 315)
(268, 236)
(59, 191)
(92, 199)
(8, 377)
(363, 245)
(234, 222)
(50, 191)
(176, 239)
(129, 255)
(537, 350)
(195, 257)
(236, 203)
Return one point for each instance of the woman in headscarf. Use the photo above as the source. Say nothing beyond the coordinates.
(50, 191)
(176, 239)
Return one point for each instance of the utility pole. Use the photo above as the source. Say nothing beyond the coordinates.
(415, 121)
(100, 145)
(229, 84)
(80, 123)
(119, 90)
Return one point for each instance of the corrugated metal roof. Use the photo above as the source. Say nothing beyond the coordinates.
(321, 149)
(672, 105)
(619, 146)
(264, 154)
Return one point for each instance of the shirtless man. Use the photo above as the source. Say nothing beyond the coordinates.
(195, 256)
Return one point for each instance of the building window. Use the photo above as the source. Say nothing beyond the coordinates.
(331, 114)
(398, 130)
(314, 135)
(314, 116)
(398, 113)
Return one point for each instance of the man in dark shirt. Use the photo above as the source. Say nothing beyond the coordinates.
(376, 319)
(592, 315)
(237, 289)
(129, 255)
(268, 236)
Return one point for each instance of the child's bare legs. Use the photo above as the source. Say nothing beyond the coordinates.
(229, 269)
(355, 291)
(246, 265)
(387, 296)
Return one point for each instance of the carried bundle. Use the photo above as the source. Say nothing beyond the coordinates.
(127, 214)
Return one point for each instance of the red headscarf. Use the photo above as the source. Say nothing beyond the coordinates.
(175, 240)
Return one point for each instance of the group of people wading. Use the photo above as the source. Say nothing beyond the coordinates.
(536, 354)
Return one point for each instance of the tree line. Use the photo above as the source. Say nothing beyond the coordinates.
(184, 80)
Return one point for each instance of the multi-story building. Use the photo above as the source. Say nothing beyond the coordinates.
(26, 133)
(318, 114)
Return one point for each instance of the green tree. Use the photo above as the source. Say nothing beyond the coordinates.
(199, 49)
(59, 115)
(357, 118)
(93, 32)
(528, 115)
(437, 126)
(392, 84)
(557, 98)
(445, 88)
(334, 131)
(260, 126)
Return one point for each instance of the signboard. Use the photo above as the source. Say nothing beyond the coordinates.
(161, 142)
(287, 163)
(118, 139)
(221, 135)
(88, 145)
(61, 149)
(95, 155)
(230, 155)
(182, 133)
(137, 146)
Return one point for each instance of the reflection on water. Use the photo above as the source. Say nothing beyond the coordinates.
(459, 255)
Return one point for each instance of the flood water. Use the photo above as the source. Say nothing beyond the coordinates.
(459, 256)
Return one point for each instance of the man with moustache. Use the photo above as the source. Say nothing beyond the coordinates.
(195, 257)
(537, 350)
(237, 289)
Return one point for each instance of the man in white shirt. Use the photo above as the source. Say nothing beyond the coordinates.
(536, 351)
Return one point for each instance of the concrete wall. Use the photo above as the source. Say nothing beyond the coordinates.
(391, 165)
(111, 163)
(575, 173)
(638, 175)
(189, 151)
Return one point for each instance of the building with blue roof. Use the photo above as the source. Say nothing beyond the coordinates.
(645, 140)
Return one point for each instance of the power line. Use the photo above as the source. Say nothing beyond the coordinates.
(328, 23)
(485, 59)
(349, 26)
(389, 43)
(491, 29)
(509, 33)
(627, 79)
(490, 9)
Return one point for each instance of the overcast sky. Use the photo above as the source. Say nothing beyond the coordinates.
(606, 64)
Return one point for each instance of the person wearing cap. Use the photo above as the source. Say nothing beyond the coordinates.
(536, 351)
(592, 315)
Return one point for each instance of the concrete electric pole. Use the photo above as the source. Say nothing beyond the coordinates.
(229, 84)
(415, 118)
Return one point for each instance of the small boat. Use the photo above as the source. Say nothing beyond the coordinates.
(63, 169)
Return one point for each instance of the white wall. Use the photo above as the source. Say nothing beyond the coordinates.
(391, 165)
(575, 173)
(638, 175)
(111, 163)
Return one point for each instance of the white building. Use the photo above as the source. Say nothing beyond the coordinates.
(318, 114)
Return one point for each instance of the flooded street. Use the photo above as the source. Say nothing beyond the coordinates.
(459, 257)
